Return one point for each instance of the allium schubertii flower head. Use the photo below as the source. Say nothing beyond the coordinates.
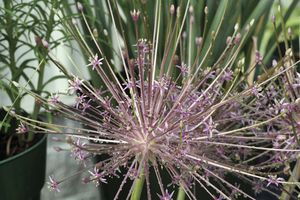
(198, 123)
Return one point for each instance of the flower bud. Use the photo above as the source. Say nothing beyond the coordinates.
(237, 38)
(213, 35)
(273, 18)
(79, 7)
(289, 52)
(178, 11)
(247, 28)
(251, 22)
(241, 62)
(45, 44)
(40, 42)
(105, 32)
(236, 27)
(206, 10)
(199, 41)
(74, 22)
(175, 60)
(290, 32)
(95, 33)
(135, 15)
(274, 63)
(228, 40)
(191, 9)
(192, 19)
(172, 9)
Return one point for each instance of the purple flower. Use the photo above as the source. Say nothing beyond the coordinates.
(210, 127)
(258, 58)
(95, 62)
(83, 105)
(54, 99)
(75, 84)
(79, 100)
(166, 196)
(258, 186)
(256, 91)
(22, 128)
(135, 15)
(273, 179)
(97, 177)
(183, 69)
(128, 85)
(142, 50)
(227, 75)
(78, 151)
(53, 184)
(219, 198)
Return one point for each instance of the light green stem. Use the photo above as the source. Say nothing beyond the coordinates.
(138, 187)
(181, 194)
(294, 177)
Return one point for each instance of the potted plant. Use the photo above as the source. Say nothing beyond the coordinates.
(200, 120)
(26, 35)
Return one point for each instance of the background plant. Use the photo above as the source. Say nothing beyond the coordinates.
(205, 16)
(26, 37)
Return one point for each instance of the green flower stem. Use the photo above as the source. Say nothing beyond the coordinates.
(294, 177)
(12, 47)
(42, 60)
(37, 105)
(181, 194)
(138, 187)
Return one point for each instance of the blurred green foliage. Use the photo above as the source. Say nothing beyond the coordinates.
(215, 25)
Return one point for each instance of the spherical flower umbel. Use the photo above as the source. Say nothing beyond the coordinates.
(197, 124)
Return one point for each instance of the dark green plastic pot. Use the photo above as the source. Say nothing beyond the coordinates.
(22, 176)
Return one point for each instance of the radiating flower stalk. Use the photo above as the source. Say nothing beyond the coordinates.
(200, 124)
